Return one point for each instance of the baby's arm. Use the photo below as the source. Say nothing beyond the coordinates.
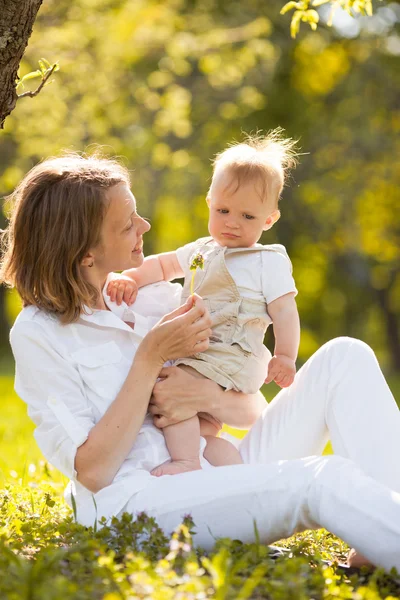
(286, 323)
(159, 267)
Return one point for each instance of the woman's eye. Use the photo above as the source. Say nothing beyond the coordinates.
(129, 227)
(249, 217)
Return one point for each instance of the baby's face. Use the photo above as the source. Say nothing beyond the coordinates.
(237, 217)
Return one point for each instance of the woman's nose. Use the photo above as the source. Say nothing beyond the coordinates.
(145, 225)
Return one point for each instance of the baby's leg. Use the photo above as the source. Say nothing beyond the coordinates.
(183, 443)
(220, 452)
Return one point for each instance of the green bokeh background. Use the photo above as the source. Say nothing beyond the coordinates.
(165, 85)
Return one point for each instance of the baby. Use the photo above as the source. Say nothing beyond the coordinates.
(245, 285)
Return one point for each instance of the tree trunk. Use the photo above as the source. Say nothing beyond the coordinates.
(16, 21)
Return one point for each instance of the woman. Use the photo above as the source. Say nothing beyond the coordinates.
(88, 373)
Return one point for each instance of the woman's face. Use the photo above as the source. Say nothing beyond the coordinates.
(121, 245)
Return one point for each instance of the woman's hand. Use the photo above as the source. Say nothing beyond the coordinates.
(177, 396)
(183, 332)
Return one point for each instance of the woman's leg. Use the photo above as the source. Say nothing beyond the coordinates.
(281, 499)
(341, 394)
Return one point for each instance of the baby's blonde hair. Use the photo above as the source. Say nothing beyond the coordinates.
(263, 159)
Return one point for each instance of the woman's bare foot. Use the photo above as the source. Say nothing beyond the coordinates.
(357, 560)
(174, 467)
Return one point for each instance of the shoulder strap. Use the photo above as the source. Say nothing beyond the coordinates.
(277, 248)
(261, 248)
(199, 246)
(204, 240)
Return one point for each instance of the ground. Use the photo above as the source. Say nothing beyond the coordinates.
(45, 555)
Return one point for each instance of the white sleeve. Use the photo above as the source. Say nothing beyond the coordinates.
(184, 254)
(276, 276)
(53, 391)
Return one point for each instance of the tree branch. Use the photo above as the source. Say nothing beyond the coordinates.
(42, 84)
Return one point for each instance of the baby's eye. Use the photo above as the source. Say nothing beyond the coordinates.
(223, 211)
(249, 217)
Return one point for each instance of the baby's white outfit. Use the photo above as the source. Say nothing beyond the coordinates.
(236, 285)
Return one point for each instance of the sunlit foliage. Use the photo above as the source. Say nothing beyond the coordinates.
(166, 85)
(305, 11)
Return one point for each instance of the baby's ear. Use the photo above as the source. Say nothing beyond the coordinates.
(208, 200)
(272, 219)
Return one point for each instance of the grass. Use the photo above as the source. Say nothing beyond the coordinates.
(45, 555)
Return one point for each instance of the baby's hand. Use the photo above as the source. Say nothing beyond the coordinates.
(122, 290)
(282, 370)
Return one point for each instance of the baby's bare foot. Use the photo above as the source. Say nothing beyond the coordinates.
(174, 467)
(357, 560)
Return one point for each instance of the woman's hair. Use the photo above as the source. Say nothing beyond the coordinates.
(56, 216)
(260, 159)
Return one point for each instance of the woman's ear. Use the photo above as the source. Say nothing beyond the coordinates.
(88, 260)
(272, 219)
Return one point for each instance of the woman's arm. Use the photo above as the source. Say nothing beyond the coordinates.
(53, 389)
(180, 333)
(180, 396)
(109, 442)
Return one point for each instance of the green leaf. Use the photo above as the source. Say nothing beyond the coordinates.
(295, 23)
(49, 501)
(294, 5)
(368, 8)
(45, 63)
(95, 520)
(331, 15)
(42, 67)
(31, 75)
(73, 502)
(311, 17)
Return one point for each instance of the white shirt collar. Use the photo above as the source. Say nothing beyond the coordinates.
(123, 311)
(117, 316)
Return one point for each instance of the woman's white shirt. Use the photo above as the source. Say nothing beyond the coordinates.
(68, 375)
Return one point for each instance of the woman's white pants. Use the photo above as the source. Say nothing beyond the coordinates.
(285, 486)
